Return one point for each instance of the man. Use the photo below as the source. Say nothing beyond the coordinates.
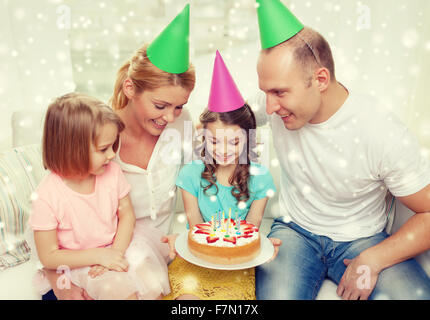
(339, 152)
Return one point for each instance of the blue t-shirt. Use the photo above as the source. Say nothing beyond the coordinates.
(210, 203)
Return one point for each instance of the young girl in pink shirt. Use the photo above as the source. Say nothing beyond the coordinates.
(82, 217)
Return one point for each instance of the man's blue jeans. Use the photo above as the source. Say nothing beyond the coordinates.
(306, 259)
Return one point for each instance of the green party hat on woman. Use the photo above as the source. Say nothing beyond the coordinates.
(277, 23)
(170, 50)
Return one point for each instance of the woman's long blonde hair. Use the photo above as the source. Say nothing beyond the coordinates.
(146, 76)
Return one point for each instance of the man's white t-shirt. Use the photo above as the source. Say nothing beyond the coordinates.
(335, 174)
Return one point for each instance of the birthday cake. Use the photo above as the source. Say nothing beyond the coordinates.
(224, 242)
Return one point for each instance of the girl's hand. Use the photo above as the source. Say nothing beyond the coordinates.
(170, 240)
(276, 243)
(96, 271)
(112, 259)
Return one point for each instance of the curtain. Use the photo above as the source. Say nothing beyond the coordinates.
(381, 47)
(35, 63)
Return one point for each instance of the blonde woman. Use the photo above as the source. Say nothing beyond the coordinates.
(149, 96)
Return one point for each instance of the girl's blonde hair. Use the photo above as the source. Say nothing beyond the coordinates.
(146, 76)
(72, 124)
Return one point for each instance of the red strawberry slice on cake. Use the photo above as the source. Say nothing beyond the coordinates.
(210, 239)
(247, 235)
(203, 231)
(230, 239)
(203, 225)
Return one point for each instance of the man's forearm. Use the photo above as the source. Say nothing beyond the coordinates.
(409, 241)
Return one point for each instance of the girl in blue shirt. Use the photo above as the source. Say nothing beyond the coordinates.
(227, 178)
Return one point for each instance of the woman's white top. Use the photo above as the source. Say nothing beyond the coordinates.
(153, 190)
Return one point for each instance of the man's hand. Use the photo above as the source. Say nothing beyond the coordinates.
(358, 280)
(276, 244)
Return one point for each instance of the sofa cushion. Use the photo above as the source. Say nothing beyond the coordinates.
(21, 169)
(17, 282)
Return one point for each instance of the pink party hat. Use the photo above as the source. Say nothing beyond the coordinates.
(224, 95)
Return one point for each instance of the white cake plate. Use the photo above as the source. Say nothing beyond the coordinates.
(266, 253)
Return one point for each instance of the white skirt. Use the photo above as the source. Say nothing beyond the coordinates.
(147, 275)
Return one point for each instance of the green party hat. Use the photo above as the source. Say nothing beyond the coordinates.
(277, 23)
(170, 50)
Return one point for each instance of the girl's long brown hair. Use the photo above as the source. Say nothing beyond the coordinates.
(245, 119)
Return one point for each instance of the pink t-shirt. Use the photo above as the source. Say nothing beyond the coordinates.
(82, 221)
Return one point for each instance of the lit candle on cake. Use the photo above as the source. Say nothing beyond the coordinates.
(237, 223)
(236, 220)
(219, 218)
(229, 221)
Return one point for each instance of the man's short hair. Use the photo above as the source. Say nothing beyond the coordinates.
(311, 50)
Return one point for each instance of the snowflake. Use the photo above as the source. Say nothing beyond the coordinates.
(410, 38)
(241, 205)
(342, 163)
(254, 171)
(181, 218)
(293, 156)
(270, 193)
(306, 190)
(190, 283)
(274, 162)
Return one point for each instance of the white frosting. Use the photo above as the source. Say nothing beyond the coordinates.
(221, 232)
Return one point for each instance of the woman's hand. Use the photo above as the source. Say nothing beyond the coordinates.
(112, 259)
(170, 240)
